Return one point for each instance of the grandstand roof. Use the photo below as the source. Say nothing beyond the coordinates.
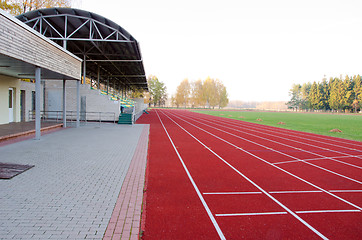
(111, 53)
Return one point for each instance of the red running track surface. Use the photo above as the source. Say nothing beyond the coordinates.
(217, 178)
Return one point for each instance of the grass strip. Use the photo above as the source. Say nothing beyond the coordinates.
(319, 123)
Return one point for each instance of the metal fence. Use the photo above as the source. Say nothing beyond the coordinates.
(71, 116)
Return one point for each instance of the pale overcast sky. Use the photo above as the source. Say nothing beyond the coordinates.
(257, 48)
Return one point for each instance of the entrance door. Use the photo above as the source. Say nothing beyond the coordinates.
(11, 105)
(22, 105)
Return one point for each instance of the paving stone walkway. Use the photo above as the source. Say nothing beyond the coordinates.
(73, 188)
(126, 218)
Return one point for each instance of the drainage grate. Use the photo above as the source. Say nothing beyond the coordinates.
(9, 170)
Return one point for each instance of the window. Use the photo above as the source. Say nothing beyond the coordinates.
(33, 100)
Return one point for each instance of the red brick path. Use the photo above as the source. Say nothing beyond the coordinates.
(126, 216)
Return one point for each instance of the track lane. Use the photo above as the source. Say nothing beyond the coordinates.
(320, 139)
(270, 221)
(344, 208)
(291, 152)
(297, 231)
(236, 142)
(173, 209)
(274, 132)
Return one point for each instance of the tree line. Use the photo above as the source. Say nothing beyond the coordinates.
(209, 93)
(336, 94)
(17, 7)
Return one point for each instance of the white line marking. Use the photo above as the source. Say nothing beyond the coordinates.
(325, 158)
(263, 160)
(315, 191)
(345, 191)
(280, 192)
(227, 193)
(221, 235)
(352, 156)
(324, 169)
(291, 161)
(248, 214)
(257, 186)
(328, 211)
(273, 135)
(288, 132)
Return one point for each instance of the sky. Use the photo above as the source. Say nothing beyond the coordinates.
(257, 48)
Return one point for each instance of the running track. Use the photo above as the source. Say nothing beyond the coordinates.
(216, 178)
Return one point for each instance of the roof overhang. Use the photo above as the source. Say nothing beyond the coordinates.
(110, 52)
(22, 50)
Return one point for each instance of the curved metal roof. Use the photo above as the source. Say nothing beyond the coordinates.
(111, 53)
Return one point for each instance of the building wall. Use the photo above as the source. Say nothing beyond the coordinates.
(29, 87)
(6, 83)
(95, 102)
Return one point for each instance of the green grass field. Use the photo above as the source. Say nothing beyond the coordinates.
(350, 125)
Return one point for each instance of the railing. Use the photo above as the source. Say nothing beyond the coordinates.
(71, 116)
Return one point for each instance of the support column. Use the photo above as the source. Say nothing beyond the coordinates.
(78, 104)
(85, 68)
(37, 102)
(64, 106)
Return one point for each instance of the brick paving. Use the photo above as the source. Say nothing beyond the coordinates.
(75, 184)
(126, 218)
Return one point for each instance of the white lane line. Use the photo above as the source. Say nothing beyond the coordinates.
(345, 191)
(280, 192)
(291, 161)
(310, 159)
(253, 183)
(248, 214)
(288, 133)
(263, 160)
(273, 135)
(322, 168)
(325, 158)
(231, 193)
(213, 220)
(315, 191)
(329, 211)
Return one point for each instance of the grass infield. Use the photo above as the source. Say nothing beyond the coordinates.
(319, 123)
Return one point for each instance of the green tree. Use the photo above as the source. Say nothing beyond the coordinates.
(349, 94)
(305, 89)
(158, 91)
(357, 92)
(324, 86)
(316, 96)
(336, 94)
(313, 96)
(296, 98)
(183, 93)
